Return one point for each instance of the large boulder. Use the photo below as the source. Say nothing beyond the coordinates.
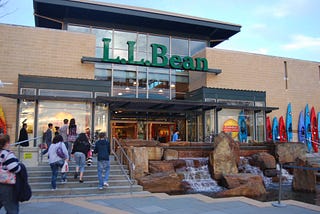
(139, 157)
(162, 182)
(242, 184)
(289, 152)
(304, 180)
(160, 166)
(263, 160)
(155, 153)
(170, 154)
(225, 156)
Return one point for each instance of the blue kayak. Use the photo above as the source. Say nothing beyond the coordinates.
(275, 129)
(243, 132)
(307, 125)
(289, 123)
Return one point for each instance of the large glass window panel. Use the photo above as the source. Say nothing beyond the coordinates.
(142, 43)
(100, 34)
(101, 119)
(228, 122)
(196, 46)
(123, 54)
(55, 112)
(179, 84)
(179, 47)
(142, 83)
(26, 115)
(103, 74)
(124, 83)
(121, 38)
(260, 126)
(65, 93)
(209, 129)
(77, 28)
(158, 83)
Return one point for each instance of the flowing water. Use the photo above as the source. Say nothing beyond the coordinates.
(198, 180)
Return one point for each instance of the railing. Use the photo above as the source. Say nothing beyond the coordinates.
(20, 142)
(123, 159)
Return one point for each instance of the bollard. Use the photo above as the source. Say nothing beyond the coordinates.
(279, 204)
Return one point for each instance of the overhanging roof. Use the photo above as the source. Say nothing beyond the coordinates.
(52, 13)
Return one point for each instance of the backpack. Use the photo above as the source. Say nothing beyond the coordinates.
(22, 187)
(60, 152)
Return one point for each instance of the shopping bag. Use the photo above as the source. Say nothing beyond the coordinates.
(65, 167)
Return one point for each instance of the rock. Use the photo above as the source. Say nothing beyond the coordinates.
(178, 163)
(155, 153)
(160, 166)
(139, 156)
(289, 152)
(243, 184)
(162, 182)
(225, 156)
(231, 181)
(170, 154)
(263, 160)
(304, 180)
(247, 190)
(179, 143)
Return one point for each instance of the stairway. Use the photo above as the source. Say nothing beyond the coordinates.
(40, 182)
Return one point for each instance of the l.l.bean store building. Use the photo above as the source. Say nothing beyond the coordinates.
(138, 73)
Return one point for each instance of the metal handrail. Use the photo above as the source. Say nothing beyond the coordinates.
(20, 142)
(116, 145)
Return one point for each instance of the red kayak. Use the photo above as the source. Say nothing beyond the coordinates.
(282, 130)
(314, 130)
(269, 129)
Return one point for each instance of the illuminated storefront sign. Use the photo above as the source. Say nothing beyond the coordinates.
(231, 126)
(159, 58)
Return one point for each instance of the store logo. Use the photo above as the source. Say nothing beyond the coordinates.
(159, 58)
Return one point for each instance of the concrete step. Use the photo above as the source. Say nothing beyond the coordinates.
(71, 167)
(76, 184)
(86, 172)
(85, 191)
(86, 177)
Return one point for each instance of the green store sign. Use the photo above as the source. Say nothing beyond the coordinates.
(159, 58)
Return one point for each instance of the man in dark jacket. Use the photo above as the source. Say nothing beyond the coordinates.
(48, 138)
(102, 148)
(23, 135)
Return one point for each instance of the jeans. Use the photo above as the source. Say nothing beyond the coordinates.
(55, 169)
(8, 199)
(80, 160)
(70, 145)
(103, 165)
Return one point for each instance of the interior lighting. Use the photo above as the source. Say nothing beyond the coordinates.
(119, 93)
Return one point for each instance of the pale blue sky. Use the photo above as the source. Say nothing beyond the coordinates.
(287, 28)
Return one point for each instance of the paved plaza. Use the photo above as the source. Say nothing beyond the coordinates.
(160, 203)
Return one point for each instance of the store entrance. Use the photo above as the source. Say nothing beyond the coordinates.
(151, 130)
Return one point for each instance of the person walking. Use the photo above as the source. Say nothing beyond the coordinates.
(23, 135)
(80, 150)
(11, 166)
(72, 134)
(48, 138)
(57, 161)
(102, 148)
(64, 133)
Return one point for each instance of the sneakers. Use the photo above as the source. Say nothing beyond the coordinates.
(54, 189)
(100, 188)
(105, 184)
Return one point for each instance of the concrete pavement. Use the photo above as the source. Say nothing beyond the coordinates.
(146, 203)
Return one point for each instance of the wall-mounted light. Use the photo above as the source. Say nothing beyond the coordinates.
(4, 83)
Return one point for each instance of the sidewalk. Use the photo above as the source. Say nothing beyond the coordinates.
(160, 203)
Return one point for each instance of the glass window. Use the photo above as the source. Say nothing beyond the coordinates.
(55, 112)
(101, 119)
(179, 84)
(28, 91)
(209, 129)
(76, 28)
(120, 39)
(100, 34)
(142, 83)
(26, 115)
(260, 126)
(158, 83)
(124, 83)
(142, 43)
(228, 122)
(179, 47)
(103, 74)
(196, 46)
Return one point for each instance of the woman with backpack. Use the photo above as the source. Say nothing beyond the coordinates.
(57, 154)
(80, 150)
(9, 168)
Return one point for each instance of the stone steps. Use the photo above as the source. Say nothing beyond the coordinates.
(40, 182)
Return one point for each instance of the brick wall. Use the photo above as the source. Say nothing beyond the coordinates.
(39, 51)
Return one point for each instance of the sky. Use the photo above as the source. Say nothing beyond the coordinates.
(285, 28)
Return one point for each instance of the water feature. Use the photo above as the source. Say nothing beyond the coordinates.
(197, 177)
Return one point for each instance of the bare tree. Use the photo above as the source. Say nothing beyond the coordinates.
(2, 5)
